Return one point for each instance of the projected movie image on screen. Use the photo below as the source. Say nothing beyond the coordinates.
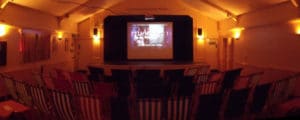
(150, 40)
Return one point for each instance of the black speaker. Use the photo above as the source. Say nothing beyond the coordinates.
(95, 31)
(3, 47)
(199, 31)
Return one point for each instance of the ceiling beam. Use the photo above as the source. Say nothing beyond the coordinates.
(295, 3)
(80, 5)
(4, 3)
(227, 12)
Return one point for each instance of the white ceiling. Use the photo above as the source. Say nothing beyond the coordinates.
(238, 7)
(54, 7)
(79, 9)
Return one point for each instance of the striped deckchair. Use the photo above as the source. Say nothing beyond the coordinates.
(179, 108)
(63, 105)
(82, 87)
(93, 108)
(149, 109)
(40, 99)
(22, 92)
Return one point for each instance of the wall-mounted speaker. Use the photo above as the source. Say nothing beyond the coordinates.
(199, 31)
(95, 31)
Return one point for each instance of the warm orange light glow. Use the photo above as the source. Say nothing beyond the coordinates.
(298, 30)
(60, 34)
(3, 30)
(200, 39)
(236, 32)
(96, 39)
(296, 24)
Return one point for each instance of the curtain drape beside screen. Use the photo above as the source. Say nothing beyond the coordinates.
(36, 45)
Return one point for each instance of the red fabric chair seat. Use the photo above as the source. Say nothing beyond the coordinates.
(105, 90)
(283, 109)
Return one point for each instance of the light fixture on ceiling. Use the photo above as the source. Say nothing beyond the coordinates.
(233, 17)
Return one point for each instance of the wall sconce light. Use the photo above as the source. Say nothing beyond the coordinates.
(3, 29)
(298, 30)
(296, 25)
(200, 36)
(236, 32)
(95, 31)
(59, 34)
(96, 36)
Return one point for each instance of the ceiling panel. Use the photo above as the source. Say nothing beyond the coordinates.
(54, 7)
(238, 7)
(91, 7)
(216, 9)
(231, 7)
